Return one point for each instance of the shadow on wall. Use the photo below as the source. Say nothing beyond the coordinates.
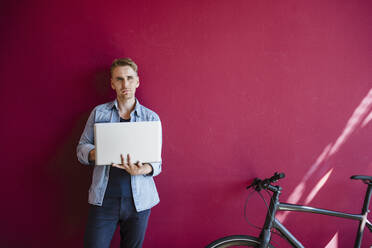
(69, 179)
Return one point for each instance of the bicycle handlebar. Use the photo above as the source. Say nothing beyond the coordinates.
(259, 184)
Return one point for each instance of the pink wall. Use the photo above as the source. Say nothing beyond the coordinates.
(244, 89)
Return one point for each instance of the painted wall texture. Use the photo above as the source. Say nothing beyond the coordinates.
(243, 88)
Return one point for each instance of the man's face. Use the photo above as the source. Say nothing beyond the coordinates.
(124, 81)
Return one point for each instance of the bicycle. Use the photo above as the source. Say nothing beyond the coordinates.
(263, 241)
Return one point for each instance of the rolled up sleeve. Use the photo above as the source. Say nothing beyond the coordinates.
(86, 142)
(156, 167)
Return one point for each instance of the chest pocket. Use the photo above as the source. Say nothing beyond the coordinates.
(103, 116)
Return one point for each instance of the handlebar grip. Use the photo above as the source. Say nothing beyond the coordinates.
(259, 184)
(276, 177)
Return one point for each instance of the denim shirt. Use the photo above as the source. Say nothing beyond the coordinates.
(144, 191)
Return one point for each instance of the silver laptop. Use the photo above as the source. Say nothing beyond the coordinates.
(142, 140)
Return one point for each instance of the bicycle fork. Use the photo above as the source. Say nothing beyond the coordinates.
(265, 234)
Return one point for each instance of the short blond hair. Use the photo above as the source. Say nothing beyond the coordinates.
(123, 62)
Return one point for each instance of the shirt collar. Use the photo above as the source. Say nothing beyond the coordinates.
(136, 110)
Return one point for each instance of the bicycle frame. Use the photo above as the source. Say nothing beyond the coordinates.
(275, 205)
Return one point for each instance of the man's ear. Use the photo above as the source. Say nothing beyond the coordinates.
(112, 84)
(138, 83)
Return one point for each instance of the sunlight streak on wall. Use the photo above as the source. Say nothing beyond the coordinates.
(334, 242)
(293, 198)
(322, 157)
(359, 119)
(353, 122)
(317, 187)
(367, 119)
(296, 195)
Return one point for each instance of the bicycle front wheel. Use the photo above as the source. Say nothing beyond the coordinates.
(236, 241)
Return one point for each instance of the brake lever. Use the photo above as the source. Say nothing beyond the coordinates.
(256, 184)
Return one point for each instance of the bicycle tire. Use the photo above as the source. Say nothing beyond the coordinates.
(236, 240)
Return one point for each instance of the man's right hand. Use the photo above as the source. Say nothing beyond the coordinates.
(92, 155)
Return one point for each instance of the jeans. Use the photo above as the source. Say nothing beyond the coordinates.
(103, 220)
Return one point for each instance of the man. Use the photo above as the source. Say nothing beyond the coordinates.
(120, 194)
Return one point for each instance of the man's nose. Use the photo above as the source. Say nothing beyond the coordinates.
(125, 83)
